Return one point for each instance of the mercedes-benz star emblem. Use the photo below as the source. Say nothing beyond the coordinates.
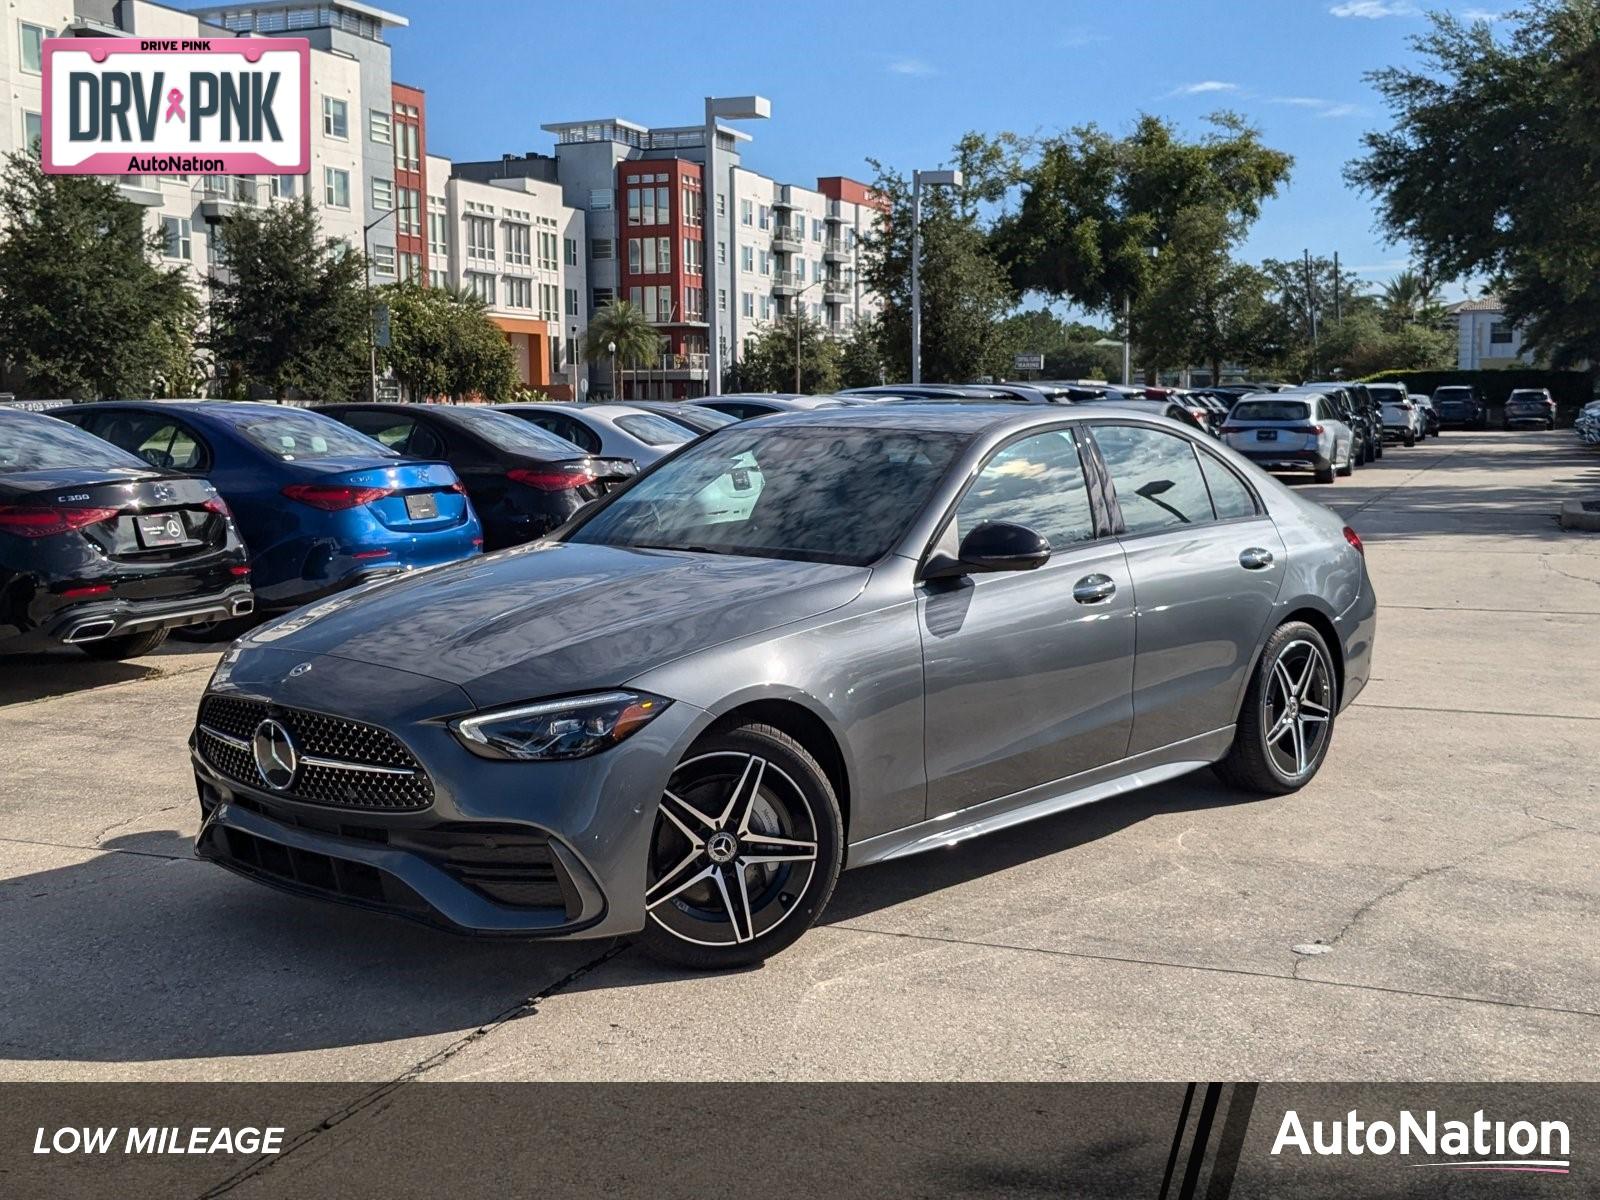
(275, 755)
(721, 847)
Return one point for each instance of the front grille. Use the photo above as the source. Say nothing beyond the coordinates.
(356, 765)
(312, 871)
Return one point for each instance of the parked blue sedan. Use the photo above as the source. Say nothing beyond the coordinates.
(320, 506)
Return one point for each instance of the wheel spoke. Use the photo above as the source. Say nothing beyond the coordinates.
(1299, 747)
(742, 799)
(709, 872)
(738, 916)
(1280, 672)
(1313, 661)
(1275, 734)
(1310, 709)
(680, 811)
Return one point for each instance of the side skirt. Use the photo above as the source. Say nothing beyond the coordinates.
(1099, 783)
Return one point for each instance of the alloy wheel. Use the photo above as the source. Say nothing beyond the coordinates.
(734, 850)
(1297, 708)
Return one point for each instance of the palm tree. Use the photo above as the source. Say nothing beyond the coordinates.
(1411, 298)
(623, 325)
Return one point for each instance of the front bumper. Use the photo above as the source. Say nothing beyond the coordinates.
(551, 850)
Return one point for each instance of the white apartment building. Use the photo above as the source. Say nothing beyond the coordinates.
(1485, 338)
(515, 244)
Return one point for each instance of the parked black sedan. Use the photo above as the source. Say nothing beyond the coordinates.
(522, 480)
(102, 551)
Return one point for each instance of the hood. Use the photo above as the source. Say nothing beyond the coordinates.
(551, 619)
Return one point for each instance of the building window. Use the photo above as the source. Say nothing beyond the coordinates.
(33, 37)
(410, 267)
(634, 217)
(572, 302)
(481, 286)
(600, 249)
(408, 155)
(335, 118)
(747, 303)
(547, 252)
(383, 194)
(380, 126)
(603, 297)
(766, 308)
(549, 303)
(816, 229)
(747, 258)
(766, 217)
(600, 199)
(693, 249)
(664, 254)
(692, 206)
(383, 261)
(518, 249)
(178, 232)
(722, 254)
(694, 304)
(438, 231)
(480, 239)
(635, 256)
(335, 187)
(722, 299)
(569, 248)
(438, 278)
(766, 263)
(722, 204)
(1500, 333)
(282, 186)
(32, 131)
(746, 212)
(519, 292)
(409, 216)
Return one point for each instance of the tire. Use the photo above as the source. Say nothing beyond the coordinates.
(1411, 439)
(129, 645)
(1377, 449)
(1324, 474)
(1349, 467)
(1259, 760)
(779, 827)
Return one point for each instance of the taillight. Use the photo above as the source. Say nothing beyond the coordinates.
(1405, 408)
(217, 505)
(1351, 537)
(87, 590)
(551, 479)
(1317, 429)
(35, 521)
(238, 570)
(458, 487)
(334, 497)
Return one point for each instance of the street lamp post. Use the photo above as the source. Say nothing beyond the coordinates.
(798, 315)
(932, 179)
(725, 108)
(572, 356)
(366, 267)
(611, 349)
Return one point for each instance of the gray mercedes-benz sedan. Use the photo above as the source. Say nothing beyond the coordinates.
(804, 642)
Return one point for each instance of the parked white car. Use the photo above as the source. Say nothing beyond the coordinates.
(1430, 419)
(1292, 431)
(1402, 422)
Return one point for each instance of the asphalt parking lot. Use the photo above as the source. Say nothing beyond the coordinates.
(1443, 863)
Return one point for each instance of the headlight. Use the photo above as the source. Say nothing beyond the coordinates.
(558, 729)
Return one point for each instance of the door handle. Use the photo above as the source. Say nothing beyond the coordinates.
(1092, 589)
(1255, 558)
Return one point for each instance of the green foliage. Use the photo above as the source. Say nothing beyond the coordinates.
(1363, 342)
(624, 325)
(861, 361)
(1489, 166)
(291, 309)
(85, 309)
(1070, 348)
(1571, 389)
(443, 344)
(769, 363)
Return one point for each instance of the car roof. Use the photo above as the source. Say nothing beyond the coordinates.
(966, 418)
(604, 410)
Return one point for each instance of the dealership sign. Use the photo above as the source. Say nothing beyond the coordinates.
(169, 106)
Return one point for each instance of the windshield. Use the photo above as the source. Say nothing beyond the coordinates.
(294, 435)
(814, 493)
(1452, 395)
(654, 430)
(1525, 398)
(515, 434)
(1270, 410)
(31, 443)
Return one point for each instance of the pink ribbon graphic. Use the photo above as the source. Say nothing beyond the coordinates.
(175, 105)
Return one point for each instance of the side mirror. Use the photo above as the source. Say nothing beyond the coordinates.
(992, 547)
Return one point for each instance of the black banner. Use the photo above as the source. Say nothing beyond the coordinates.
(1202, 1141)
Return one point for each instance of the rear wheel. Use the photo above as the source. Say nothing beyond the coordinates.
(1324, 474)
(129, 645)
(1349, 466)
(747, 847)
(1286, 723)
(1411, 438)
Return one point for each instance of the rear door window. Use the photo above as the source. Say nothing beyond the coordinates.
(1231, 498)
(1158, 482)
(401, 433)
(566, 428)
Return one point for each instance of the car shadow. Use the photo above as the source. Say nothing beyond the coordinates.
(30, 671)
(146, 954)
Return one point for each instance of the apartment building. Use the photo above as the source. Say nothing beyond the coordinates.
(515, 244)
(1486, 338)
(643, 191)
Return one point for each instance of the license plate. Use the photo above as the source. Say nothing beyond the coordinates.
(422, 507)
(1266, 435)
(161, 529)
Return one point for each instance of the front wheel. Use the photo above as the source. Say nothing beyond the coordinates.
(747, 847)
(1286, 723)
(1411, 439)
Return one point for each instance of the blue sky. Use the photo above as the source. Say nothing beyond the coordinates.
(902, 81)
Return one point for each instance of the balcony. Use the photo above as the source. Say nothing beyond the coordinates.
(683, 366)
(220, 195)
(143, 190)
(787, 283)
(788, 241)
(784, 198)
(833, 251)
(835, 214)
(836, 291)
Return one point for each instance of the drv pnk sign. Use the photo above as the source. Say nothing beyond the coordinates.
(169, 106)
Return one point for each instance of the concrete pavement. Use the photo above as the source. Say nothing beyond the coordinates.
(1444, 857)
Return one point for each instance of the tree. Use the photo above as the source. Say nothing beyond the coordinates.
(1071, 349)
(768, 365)
(965, 292)
(1410, 297)
(1095, 208)
(624, 325)
(85, 309)
(443, 344)
(1488, 168)
(861, 355)
(290, 308)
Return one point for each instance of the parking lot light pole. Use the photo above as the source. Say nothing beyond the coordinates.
(932, 179)
(366, 267)
(724, 108)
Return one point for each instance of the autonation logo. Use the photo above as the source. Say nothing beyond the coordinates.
(1476, 1145)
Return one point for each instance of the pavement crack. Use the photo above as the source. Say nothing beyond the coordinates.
(139, 816)
(527, 1007)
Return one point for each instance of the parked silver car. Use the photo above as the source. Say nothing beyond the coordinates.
(1402, 422)
(609, 430)
(1292, 431)
(820, 639)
